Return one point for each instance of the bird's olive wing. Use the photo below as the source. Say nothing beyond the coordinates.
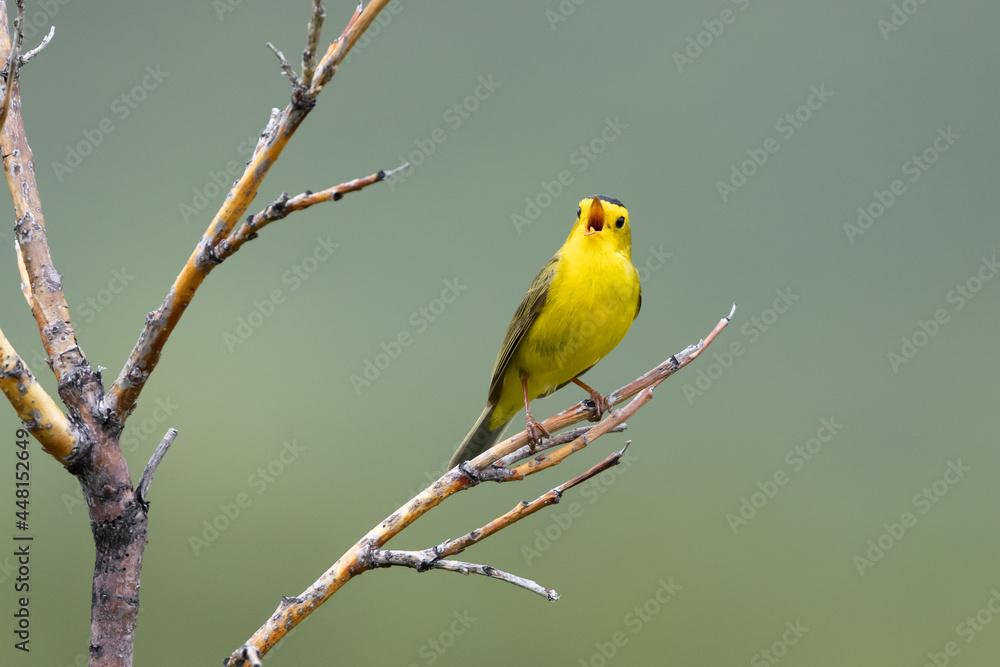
(638, 305)
(525, 316)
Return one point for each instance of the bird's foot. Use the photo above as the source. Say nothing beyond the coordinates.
(535, 431)
(600, 404)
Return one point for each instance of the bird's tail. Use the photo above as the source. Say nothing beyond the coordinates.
(480, 438)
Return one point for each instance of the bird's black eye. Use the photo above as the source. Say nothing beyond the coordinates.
(620, 222)
(578, 211)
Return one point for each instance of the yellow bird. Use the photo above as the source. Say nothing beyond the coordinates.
(577, 309)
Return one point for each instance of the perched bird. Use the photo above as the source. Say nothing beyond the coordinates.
(577, 309)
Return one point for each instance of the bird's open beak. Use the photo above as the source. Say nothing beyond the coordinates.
(595, 217)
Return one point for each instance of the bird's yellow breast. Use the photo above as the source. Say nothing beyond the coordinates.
(589, 308)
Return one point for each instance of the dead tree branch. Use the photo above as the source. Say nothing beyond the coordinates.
(312, 43)
(285, 205)
(417, 560)
(76, 382)
(358, 558)
(38, 49)
(40, 414)
(433, 558)
(142, 488)
(85, 437)
(121, 397)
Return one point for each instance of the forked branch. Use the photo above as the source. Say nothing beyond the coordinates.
(121, 397)
(433, 558)
(358, 558)
(41, 282)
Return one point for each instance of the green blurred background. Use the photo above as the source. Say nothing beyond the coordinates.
(668, 525)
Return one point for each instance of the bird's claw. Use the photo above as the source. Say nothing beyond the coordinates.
(599, 404)
(535, 431)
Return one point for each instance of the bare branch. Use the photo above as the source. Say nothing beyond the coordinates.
(142, 488)
(284, 205)
(522, 510)
(312, 43)
(339, 49)
(415, 559)
(286, 67)
(641, 388)
(38, 49)
(40, 414)
(433, 558)
(77, 383)
(550, 443)
(292, 611)
(121, 397)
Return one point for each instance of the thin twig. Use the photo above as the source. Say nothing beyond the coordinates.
(522, 510)
(142, 488)
(286, 67)
(291, 611)
(550, 443)
(337, 51)
(312, 43)
(415, 560)
(433, 558)
(38, 49)
(284, 205)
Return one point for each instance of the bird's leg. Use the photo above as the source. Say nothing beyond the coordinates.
(535, 429)
(601, 404)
